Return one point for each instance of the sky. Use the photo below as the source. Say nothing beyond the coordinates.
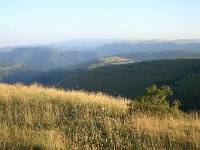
(39, 21)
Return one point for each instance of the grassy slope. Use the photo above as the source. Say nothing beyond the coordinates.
(33, 117)
(130, 80)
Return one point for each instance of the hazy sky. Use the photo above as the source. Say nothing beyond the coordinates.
(33, 21)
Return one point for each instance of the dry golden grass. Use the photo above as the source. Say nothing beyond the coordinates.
(34, 117)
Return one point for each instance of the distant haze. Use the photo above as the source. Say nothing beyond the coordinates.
(47, 21)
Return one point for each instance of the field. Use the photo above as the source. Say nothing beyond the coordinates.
(34, 117)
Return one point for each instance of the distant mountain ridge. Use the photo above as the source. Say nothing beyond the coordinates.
(124, 47)
(144, 56)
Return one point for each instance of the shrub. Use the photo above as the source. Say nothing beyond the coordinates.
(155, 102)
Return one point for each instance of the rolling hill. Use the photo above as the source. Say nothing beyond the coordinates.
(51, 77)
(52, 66)
(45, 58)
(37, 61)
(130, 80)
(54, 76)
(37, 117)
